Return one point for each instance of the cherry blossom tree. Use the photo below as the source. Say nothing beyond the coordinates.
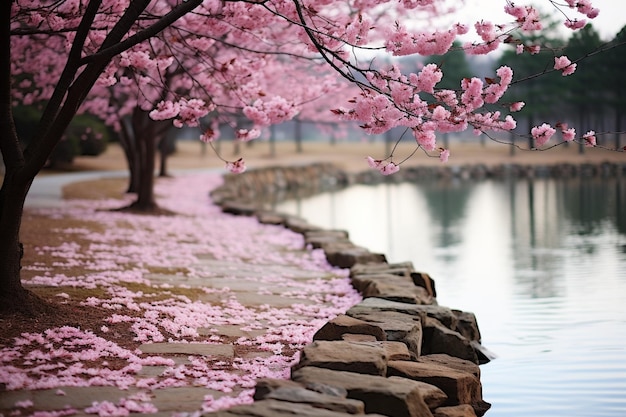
(226, 57)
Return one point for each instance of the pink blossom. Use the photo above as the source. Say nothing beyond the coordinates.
(569, 134)
(425, 138)
(373, 163)
(494, 90)
(542, 134)
(270, 111)
(590, 138)
(472, 97)
(428, 77)
(246, 135)
(444, 154)
(519, 49)
(517, 106)
(389, 169)
(236, 167)
(24, 404)
(575, 24)
(563, 64)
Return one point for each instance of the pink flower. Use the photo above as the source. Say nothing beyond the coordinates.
(569, 134)
(24, 404)
(517, 106)
(563, 64)
(575, 24)
(590, 138)
(373, 163)
(389, 169)
(425, 138)
(428, 77)
(542, 134)
(236, 167)
(209, 135)
(444, 154)
(246, 135)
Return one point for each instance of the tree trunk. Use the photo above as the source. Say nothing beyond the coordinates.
(141, 135)
(13, 297)
(129, 146)
(145, 192)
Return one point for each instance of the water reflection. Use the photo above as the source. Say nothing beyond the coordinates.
(542, 263)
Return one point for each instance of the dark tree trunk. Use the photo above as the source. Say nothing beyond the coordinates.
(141, 135)
(13, 297)
(167, 147)
(127, 141)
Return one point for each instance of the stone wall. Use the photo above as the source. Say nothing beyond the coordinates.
(499, 171)
(397, 353)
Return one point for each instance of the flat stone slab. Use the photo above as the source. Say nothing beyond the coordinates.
(51, 399)
(252, 299)
(274, 408)
(231, 330)
(182, 398)
(203, 349)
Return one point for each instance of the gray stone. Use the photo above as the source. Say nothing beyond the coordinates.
(362, 281)
(484, 355)
(440, 339)
(388, 396)
(317, 400)
(451, 362)
(181, 398)
(402, 268)
(299, 225)
(460, 387)
(442, 314)
(395, 351)
(424, 280)
(361, 358)
(462, 410)
(467, 325)
(342, 324)
(398, 327)
(347, 256)
(393, 288)
(266, 385)
(320, 239)
(274, 408)
(270, 217)
(348, 337)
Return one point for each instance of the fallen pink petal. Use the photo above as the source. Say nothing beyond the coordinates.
(172, 283)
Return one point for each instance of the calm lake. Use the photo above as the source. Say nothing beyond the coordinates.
(542, 264)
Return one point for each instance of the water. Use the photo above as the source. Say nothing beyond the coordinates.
(541, 263)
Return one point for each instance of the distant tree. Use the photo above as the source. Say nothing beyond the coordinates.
(614, 83)
(540, 95)
(585, 90)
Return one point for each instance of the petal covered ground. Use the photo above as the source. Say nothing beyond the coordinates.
(198, 303)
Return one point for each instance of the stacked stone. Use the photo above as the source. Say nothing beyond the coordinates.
(502, 171)
(396, 353)
(259, 187)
